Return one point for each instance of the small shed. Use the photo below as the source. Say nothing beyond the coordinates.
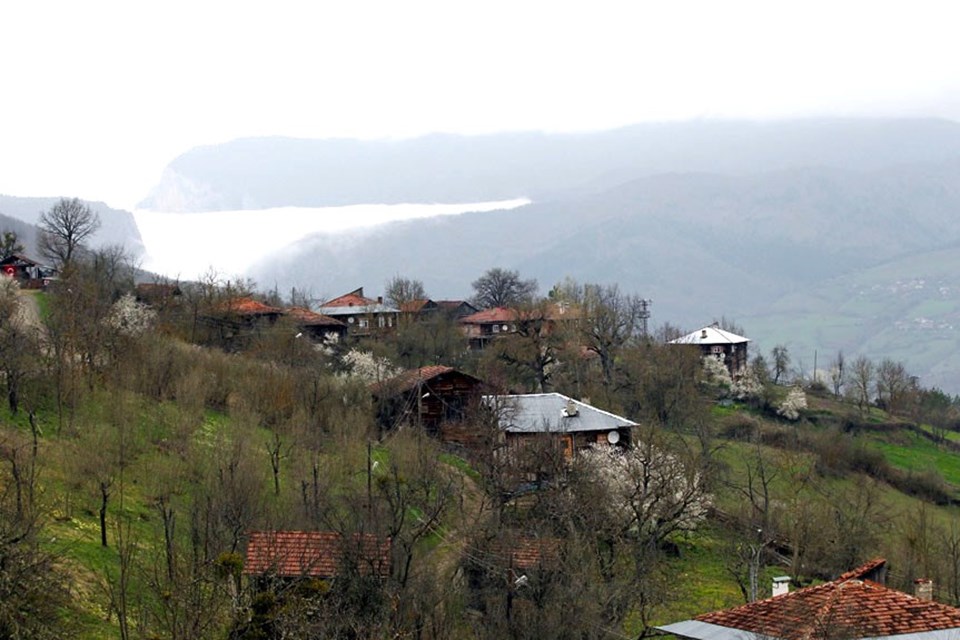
(572, 423)
(719, 343)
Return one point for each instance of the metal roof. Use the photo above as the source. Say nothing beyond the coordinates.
(547, 413)
(710, 335)
(357, 310)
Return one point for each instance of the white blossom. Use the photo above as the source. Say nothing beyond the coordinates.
(747, 386)
(716, 372)
(652, 492)
(129, 317)
(793, 404)
(369, 367)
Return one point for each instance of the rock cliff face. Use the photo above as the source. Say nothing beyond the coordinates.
(275, 172)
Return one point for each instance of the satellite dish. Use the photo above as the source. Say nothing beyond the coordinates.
(613, 437)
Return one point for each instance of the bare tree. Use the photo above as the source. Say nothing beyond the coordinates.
(781, 362)
(860, 383)
(64, 228)
(609, 320)
(502, 288)
(838, 373)
(892, 385)
(400, 290)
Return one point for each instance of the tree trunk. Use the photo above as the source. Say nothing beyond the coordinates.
(104, 497)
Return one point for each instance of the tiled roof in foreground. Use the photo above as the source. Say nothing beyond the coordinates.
(849, 607)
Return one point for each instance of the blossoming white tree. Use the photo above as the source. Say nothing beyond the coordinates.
(793, 404)
(129, 317)
(652, 493)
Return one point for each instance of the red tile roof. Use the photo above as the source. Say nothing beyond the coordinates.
(849, 607)
(497, 314)
(309, 318)
(249, 307)
(353, 299)
(313, 553)
(504, 314)
(528, 553)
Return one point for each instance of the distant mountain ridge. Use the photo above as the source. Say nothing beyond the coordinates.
(700, 245)
(256, 173)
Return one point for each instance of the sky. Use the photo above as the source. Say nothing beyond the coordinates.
(99, 96)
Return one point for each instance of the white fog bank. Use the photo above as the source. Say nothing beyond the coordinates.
(187, 245)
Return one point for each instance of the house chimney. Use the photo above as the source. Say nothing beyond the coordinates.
(571, 409)
(781, 585)
(923, 588)
(379, 299)
(703, 334)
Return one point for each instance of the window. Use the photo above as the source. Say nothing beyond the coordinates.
(362, 323)
(381, 322)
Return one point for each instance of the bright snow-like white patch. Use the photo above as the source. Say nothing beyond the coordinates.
(186, 245)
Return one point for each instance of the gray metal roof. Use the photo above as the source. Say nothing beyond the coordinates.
(710, 335)
(547, 413)
(706, 631)
(357, 310)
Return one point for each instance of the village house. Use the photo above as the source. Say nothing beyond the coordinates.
(28, 273)
(320, 328)
(482, 327)
(572, 424)
(425, 308)
(857, 605)
(431, 398)
(718, 343)
(363, 316)
(238, 319)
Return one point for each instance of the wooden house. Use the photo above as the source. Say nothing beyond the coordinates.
(238, 319)
(718, 343)
(456, 309)
(571, 424)
(429, 398)
(857, 605)
(419, 308)
(318, 327)
(363, 316)
(482, 327)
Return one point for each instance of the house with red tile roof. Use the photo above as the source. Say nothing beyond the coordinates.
(237, 320)
(482, 327)
(428, 398)
(363, 316)
(315, 554)
(320, 328)
(855, 606)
